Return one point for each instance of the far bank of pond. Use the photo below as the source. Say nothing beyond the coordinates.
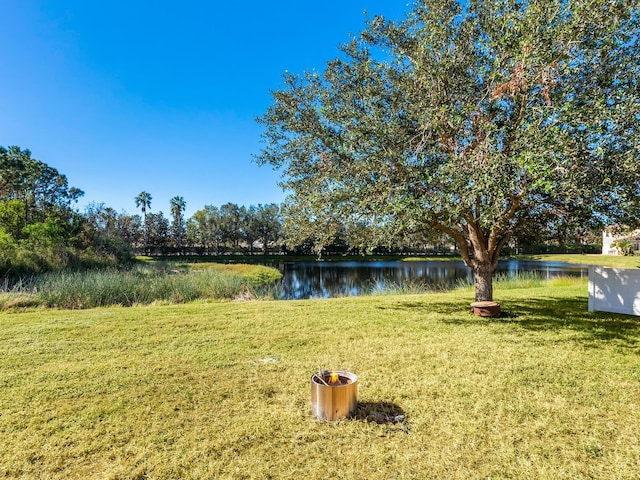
(326, 279)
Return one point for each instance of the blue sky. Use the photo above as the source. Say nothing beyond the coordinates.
(126, 96)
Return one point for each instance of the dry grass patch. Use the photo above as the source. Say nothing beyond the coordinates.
(257, 274)
(221, 390)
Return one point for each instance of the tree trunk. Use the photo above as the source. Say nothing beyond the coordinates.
(483, 277)
(146, 232)
(480, 251)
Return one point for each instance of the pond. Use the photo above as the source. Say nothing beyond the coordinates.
(349, 278)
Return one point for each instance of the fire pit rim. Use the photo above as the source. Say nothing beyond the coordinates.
(352, 377)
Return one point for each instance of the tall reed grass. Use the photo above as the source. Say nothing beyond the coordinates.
(103, 288)
(502, 281)
(144, 284)
(529, 280)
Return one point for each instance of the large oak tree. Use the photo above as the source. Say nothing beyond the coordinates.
(478, 119)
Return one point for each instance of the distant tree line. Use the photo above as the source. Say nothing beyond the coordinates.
(211, 231)
(266, 229)
(41, 228)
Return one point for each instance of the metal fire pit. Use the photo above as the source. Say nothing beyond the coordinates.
(334, 401)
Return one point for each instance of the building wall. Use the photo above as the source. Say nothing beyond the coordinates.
(614, 290)
(607, 240)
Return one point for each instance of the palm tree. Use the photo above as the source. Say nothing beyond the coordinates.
(177, 207)
(143, 200)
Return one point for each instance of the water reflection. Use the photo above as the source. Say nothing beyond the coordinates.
(338, 279)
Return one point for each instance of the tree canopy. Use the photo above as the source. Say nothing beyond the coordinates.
(478, 119)
(40, 187)
(37, 222)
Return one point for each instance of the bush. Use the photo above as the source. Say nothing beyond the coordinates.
(624, 246)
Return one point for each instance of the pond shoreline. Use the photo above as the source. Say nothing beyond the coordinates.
(346, 278)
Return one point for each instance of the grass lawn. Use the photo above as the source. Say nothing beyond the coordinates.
(615, 261)
(221, 389)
